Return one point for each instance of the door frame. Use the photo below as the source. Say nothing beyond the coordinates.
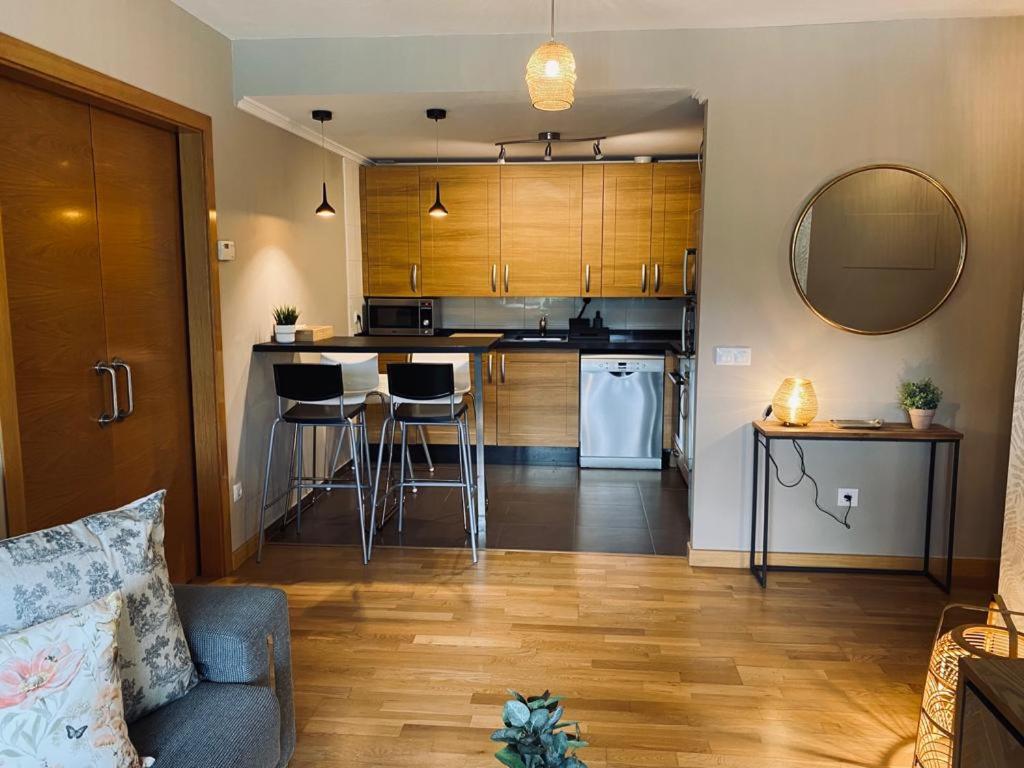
(42, 69)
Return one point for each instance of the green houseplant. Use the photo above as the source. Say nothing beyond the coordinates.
(920, 399)
(534, 735)
(285, 317)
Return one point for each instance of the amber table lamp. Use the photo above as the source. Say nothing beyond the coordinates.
(795, 403)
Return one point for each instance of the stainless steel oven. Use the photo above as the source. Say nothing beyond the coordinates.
(402, 317)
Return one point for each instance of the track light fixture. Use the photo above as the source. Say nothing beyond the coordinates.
(598, 154)
(547, 151)
(501, 155)
(324, 210)
(437, 210)
(549, 139)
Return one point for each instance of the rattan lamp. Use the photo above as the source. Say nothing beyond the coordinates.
(795, 403)
(551, 74)
(938, 705)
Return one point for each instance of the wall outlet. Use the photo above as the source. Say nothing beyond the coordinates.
(236, 492)
(225, 250)
(732, 355)
(843, 493)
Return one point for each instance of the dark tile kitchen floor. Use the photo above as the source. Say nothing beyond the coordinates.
(531, 507)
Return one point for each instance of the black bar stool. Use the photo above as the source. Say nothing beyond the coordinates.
(318, 392)
(420, 395)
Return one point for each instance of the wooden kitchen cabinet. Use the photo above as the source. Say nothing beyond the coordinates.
(541, 230)
(626, 242)
(592, 230)
(460, 251)
(391, 231)
(538, 398)
(674, 227)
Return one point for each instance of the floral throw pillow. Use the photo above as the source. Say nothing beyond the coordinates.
(60, 693)
(48, 573)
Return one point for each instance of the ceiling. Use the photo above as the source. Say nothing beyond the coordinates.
(394, 126)
(262, 19)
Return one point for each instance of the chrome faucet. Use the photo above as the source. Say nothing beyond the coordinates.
(542, 325)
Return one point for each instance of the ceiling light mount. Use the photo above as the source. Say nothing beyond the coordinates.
(434, 113)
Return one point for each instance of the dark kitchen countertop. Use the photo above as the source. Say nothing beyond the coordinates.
(617, 341)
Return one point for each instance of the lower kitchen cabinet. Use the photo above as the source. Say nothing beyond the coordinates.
(538, 402)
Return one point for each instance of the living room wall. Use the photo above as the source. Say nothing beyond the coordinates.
(267, 185)
(788, 108)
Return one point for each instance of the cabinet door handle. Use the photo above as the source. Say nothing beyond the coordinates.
(506, 278)
(413, 277)
(586, 279)
(502, 367)
(657, 277)
(490, 368)
(494, 278)
(687, 288)
(108, 418)
(643, 278)
(118, 364)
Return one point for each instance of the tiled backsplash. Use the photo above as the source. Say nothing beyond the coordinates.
(525, 312)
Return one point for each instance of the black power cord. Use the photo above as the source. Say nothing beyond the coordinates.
(844, 520)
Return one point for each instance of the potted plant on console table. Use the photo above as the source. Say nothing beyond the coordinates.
(920, 399)
(285, 318)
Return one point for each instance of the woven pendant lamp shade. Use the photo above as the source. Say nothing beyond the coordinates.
(551, 77)
(938, 706)
(795, 403)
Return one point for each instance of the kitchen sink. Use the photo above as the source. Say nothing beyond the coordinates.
(532, 337)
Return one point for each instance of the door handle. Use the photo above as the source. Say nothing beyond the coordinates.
(490, 368)
(586, 279)
(506, 278)
(494, 278)
(502, 367)
(108, 418)
(412, 277)
(116, 364)
(687, 288)
(643, 278)
(657, 277)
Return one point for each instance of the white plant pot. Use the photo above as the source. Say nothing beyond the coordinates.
(284, 334)
(920, 418)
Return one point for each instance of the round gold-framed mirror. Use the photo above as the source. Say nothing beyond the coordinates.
(878, 249)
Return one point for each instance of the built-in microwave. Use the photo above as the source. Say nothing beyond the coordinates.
(402, 317)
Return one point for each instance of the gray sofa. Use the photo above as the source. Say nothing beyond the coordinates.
(241, 713)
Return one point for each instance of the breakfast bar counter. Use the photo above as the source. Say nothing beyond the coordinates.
(474, 345)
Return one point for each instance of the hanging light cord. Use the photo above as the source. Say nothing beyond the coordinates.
(323, 155)
(552, 19)
(843, 520)
(437, 134)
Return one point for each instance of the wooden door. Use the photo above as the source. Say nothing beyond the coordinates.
(138, 201)
(460, 251)
(538, 398)
(54, 293)
(541, 230)
(675, 203)
(626, 247)
(392, 231)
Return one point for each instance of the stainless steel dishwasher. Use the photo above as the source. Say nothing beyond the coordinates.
(621, 407)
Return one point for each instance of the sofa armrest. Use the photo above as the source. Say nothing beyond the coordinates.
(241, 635)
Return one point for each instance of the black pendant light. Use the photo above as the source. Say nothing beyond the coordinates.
(325, 210)
(437, 210)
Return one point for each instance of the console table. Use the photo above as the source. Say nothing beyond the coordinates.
(989, 726)
(767, 431)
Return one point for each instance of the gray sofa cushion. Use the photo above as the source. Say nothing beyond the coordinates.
(50, 572)
(216, 724)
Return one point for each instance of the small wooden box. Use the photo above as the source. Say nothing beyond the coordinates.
(309, 333)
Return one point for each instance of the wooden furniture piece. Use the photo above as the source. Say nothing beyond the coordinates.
(391, 230)
(476, 345)
(538, 398)
(205, 419)
(626, 249)
(460, 251)
(765, 432)
(989, 725)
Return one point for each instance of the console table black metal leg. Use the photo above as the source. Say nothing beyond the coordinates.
(952, 517)
(753, 510)
(926, 567)
(764, 517)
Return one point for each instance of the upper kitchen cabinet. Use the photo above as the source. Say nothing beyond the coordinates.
(592, 230)
(674, 227)
(626, 247)
(391, 234)
(461, 251)
(541, 230)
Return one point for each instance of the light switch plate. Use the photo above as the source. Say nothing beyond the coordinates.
(236, 492)
(225, 250)
(732, 355)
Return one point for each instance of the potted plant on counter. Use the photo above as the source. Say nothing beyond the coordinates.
(285, 318)
(533, 734)
(920, 399)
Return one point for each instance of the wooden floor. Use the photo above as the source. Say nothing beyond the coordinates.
(405, 662)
